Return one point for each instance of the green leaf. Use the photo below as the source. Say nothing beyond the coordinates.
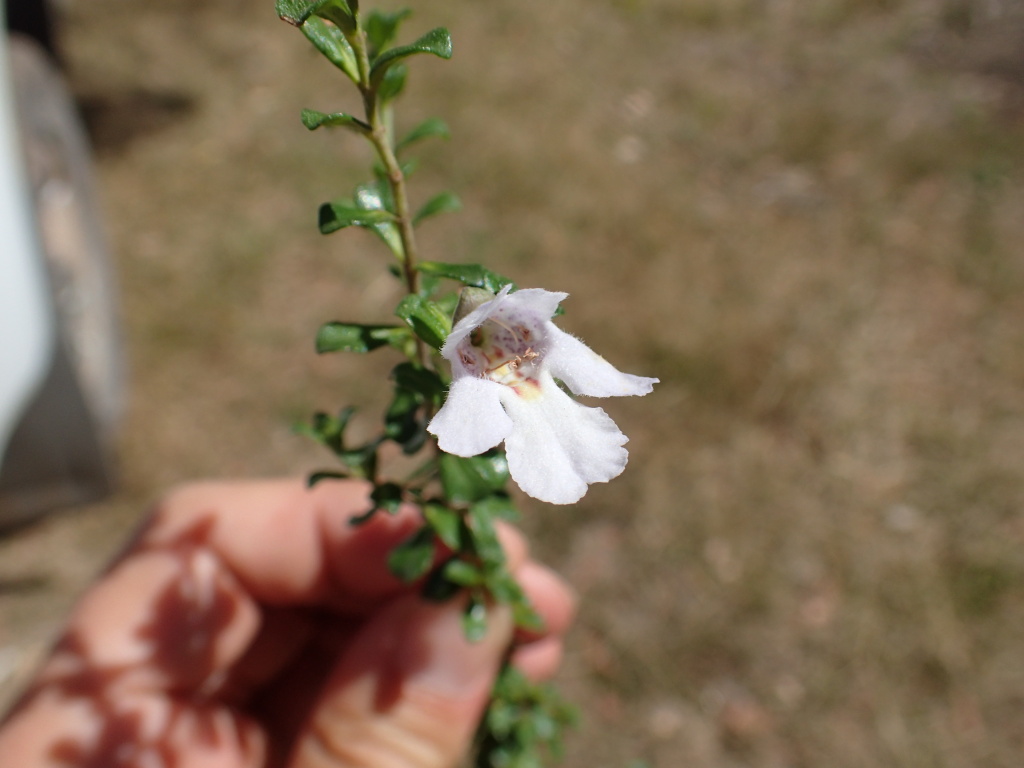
(335, 216)
(313, 120)
(462, 573)
(317, 477)
(387, 496)
(438, 588)
(376, 196)
(468, 274)
(426, 319)
(468, 480)
(329, 431)
(381, 28)
(446, 522)
(485, 540)
(498, 506)
(297, 12)
(424, 382)
(437, 42)
(445, 202)
(393, 83)
(413, 557)
(474, 620)
(331, 42)
(401, 422)
(353, 337)
(432, 127)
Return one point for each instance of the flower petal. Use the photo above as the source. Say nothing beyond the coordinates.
(471, 420)
(587, 373)
(473, 320)
(537, 300)
(557, 446)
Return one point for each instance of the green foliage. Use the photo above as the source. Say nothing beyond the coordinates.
(437, 42)
(456, 552)
(411, 559)
(468, 274)
(331, 42)
(354, 337)
(523, 721)
(386, 496)
(393, 83)
(382, 27)
(329, 431)
(427, 320)
(446, 522)
(432, 127)
(405, 421)
(298, 12)
(467, 480)
(313, 120)
(445, 202)
(474, 619)
(335, 216)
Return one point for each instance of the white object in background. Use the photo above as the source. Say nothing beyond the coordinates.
(27, 333)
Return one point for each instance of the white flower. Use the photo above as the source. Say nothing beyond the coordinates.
(505, 357)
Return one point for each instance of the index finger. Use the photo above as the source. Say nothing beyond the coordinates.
(287, 544)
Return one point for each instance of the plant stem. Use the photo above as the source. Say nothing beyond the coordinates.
(380, 137)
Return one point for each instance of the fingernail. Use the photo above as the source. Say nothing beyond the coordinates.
(436, 655)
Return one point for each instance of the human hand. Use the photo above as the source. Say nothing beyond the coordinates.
(250, 626)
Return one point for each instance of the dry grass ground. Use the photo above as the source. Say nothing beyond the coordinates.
(804, 216)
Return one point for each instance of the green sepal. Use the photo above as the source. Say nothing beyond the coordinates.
(468, 480)
(446, 522)
(472, 275)
(335, 216)
(445, 202)
(474, 619)
(437, 42)
(353, 337)
(413, 557)
(381, 28)
(313, 120)
(431, 127)
(332, 43)
(426, 319)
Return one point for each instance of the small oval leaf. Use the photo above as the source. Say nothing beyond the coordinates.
(437, 42)
(445, 202)
(432, 127)
(468, 274)
(313, 120)
(335, 216)
(331, 42)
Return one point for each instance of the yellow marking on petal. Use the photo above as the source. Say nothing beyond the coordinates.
(528, 389)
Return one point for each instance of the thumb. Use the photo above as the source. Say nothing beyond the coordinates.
(408, 692)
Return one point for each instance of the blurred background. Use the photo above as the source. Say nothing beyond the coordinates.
(805, 216)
